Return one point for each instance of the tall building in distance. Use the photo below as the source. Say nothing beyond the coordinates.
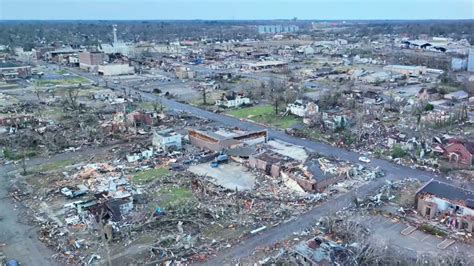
(114, 31)
(118, 46)
(470, 61)
(272, 29)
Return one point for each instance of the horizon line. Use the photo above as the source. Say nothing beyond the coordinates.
(243, 19)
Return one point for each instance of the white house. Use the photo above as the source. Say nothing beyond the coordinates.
(145, 154)
(233, 100)
(301, 109)
(167, 139)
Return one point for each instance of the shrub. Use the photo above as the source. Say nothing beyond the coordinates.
(398, 152)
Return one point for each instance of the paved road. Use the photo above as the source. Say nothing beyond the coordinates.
(328, 150)
(21, 240)
(282, 231)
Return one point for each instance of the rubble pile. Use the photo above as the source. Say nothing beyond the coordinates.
(190, 217)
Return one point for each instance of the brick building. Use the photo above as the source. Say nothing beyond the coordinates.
(90, 60)
(218, 141)
(454, 205)
(460, 151)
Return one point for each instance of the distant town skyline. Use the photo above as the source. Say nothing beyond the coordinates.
(235, 9)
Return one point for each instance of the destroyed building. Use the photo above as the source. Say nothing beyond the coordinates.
(221, 140)
(454, 205)
(406, 70)
(269, 162)
(309, 176)
(460, 151)
(320, 251)
(140, 119)
(184, 73)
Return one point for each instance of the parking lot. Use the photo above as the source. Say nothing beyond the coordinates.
(416, 242)
(229, 175)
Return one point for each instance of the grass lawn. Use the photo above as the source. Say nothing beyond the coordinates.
(55, 166)
(148, 106)
(149, 175)
(53, 82)
(174, 197)
(55, 113)
(264, 114)
(315, 135)
(61, 72)
(211, 98)
(14, 156)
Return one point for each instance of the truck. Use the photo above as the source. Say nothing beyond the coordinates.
(220, 159)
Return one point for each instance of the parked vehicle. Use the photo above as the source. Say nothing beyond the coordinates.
(364, 159)
(73, 193)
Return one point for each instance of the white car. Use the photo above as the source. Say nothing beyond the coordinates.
(364, 159)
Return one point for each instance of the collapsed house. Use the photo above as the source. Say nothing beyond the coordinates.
(309, 176)
(109, 196)
(453, 205)
(140, 154)
(222, 140)
(460, 151)
(140, 119)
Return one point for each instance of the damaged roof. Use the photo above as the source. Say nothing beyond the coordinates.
(315, 168)
(448, 191)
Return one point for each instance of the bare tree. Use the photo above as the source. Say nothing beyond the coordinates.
(204, 95)
(23, 162)
(38, 94)
(276, 93)
(72, 95)
(52, 92)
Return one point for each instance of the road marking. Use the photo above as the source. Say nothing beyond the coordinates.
(446, 243)
(408, 230)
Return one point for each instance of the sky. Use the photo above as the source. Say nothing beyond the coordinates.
(235, 9)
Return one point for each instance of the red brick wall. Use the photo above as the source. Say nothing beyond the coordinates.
(465, 157)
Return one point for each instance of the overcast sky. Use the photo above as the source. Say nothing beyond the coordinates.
(236, 9)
